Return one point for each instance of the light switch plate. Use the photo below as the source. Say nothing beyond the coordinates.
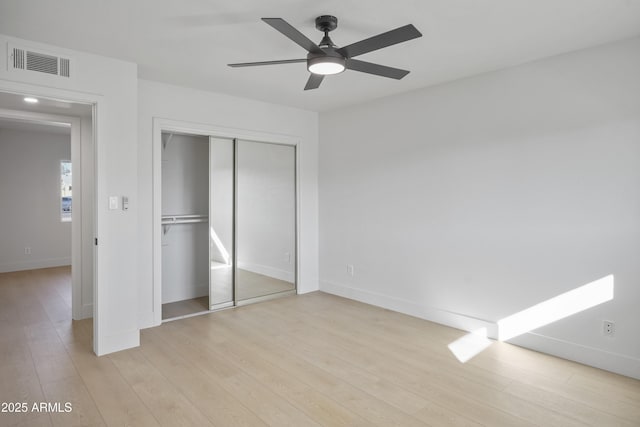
(113, 202)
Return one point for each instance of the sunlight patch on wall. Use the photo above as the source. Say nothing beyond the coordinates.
(556, 308)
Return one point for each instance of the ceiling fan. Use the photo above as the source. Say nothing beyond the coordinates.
(326, 58)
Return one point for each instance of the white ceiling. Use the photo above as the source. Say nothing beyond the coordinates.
(10, 101)
(189, 42)
(29, 126)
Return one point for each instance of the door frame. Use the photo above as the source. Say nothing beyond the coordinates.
(95, 100)
(178, 126)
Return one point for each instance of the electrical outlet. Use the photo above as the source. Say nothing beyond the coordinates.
(608, 328)
(27, 250)
(287, 257)
(350, 269)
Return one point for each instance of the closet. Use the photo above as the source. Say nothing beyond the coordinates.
(228, 223)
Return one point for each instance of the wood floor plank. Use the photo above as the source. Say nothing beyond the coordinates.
(583, 413)
(20, 384)
(169, 407)
(516, 407)
(41, 420)
(84, 411)
(407, 342)
(331, 381)
(118, 403)
(220, 407)
(391, 369)
(317, 406)
(243, 387)
(612, 384)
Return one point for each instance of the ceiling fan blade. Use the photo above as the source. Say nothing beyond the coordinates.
(399, 35)
(288, 30)
(314, 81)
(253, 64)
(377, 69)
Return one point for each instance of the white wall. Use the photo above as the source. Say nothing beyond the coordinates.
(112, 84)
(266, 209)
(185, 191)
(482, 197)
(30, 195)
(199, 107)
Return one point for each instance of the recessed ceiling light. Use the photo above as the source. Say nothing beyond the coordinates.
(31, 100)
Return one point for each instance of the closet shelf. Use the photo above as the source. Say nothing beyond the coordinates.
(169, 220)
(166, 140)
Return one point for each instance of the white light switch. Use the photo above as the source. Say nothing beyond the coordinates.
(113, 202)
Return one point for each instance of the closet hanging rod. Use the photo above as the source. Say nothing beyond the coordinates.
(174, 218)
(183, 219)
(169, 220)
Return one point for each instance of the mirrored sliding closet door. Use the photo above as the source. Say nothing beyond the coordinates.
(265, 220)
(228, 223)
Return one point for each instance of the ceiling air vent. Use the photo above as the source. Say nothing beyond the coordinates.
(42, 63)
(29, 60)
(18, 59)
(64, 67)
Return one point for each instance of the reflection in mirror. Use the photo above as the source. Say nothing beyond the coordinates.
(221, 165)
(266, 223)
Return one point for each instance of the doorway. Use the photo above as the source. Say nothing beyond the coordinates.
(71, 190)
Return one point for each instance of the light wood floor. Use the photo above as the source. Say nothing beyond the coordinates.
(186, 307)
(314, 359)
(250, 285)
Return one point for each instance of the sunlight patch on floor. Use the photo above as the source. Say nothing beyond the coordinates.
(470, 345)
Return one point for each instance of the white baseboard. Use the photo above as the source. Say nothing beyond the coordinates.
(87, 311)
(454, 320)
(265, 270)
(34, 264)
(613, 362)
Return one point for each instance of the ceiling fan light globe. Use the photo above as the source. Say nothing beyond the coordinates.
(326, 65)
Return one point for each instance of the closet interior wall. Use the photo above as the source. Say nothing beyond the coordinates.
(185, 192)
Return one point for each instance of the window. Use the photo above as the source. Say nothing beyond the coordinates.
(65, 191)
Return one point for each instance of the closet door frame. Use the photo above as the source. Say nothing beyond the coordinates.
(161, 125)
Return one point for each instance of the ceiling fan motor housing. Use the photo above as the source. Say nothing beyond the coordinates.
(326, 23)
